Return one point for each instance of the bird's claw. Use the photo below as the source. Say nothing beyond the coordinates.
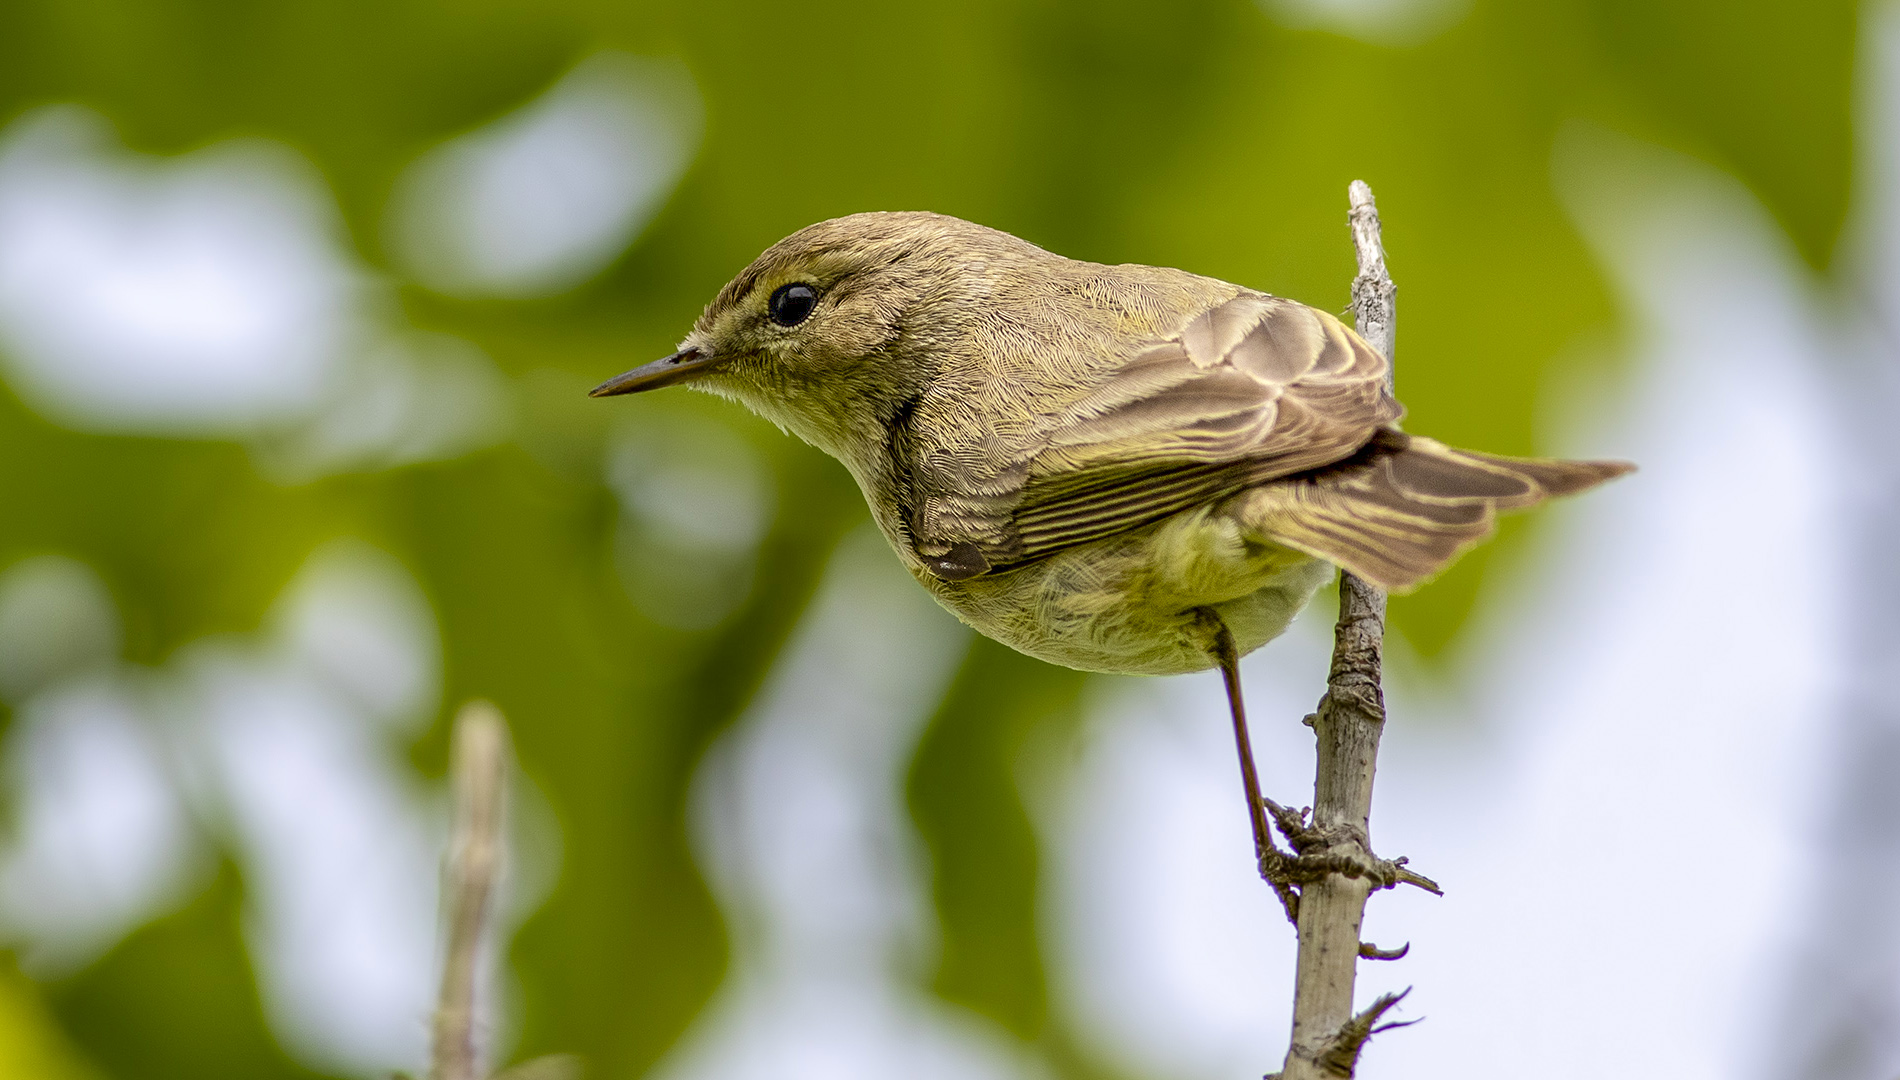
(1321, 851)
(1369, 951)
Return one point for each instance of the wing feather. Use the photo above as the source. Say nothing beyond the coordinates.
(1404, 507)
(1252, 389)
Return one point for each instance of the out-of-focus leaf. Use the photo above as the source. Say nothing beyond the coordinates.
(627, 950)
(549, 1067)
(1763, 87)
(965, 799)
(32, 1047)
(177, 1000)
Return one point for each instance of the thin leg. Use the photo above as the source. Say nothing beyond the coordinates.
(1265, 854)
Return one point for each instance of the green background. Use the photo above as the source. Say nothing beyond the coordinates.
(1198, 134)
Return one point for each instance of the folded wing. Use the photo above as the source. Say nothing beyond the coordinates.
(1275, 407)
(1253, 389)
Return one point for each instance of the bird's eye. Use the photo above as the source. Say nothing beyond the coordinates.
(792, 304)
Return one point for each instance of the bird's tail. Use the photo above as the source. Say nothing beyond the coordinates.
(1403, 508)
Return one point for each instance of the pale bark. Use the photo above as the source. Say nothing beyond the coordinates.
(478, 770)
(1327, 1035)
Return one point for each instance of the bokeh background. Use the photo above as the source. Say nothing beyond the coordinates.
(299, 302)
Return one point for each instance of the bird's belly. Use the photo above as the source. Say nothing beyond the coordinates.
(1130, 604)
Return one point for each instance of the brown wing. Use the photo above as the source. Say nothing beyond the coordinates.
(1251, 389)
(1256, 378)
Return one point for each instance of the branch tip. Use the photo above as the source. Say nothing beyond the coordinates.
(479, 761)
(1341, 1056)
(1407, 877)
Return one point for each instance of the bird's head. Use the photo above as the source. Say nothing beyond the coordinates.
(833, 327)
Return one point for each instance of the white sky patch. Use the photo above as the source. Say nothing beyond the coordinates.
(542, 199)
(298, 735)
(97, 840)
(356, 617)
(1842, 997)
(212, 295)
(100, 841)
(799, 819)
(406, 397)
(1167, 951)
(1661, 696)
(695, 501)
(340, 848)
(205, 295)
(1651, 710)
(288, 747)
(1395, 23)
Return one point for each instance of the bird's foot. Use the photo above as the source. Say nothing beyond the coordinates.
(1319, 851)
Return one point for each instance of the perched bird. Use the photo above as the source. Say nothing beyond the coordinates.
(1126, 469)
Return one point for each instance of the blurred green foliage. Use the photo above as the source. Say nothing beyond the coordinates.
(1198, 134)
(31, 1046)
(191, 957)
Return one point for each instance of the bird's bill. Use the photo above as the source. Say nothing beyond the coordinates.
(665, 371)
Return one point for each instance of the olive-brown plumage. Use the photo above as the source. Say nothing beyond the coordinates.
(1081, 460)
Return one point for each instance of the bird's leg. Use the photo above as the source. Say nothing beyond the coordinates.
(1272, 861)
(1316, 852)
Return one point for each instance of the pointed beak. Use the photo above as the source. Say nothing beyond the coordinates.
(667, 370)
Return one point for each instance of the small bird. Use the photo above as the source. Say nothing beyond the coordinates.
(1126, 469)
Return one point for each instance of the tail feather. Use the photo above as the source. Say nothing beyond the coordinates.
(1404, 508)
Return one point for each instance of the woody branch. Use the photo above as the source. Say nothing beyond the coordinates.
(1327, 1035)
(479, 762)
(480, 757)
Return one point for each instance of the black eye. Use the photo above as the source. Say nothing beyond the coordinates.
(792, 304)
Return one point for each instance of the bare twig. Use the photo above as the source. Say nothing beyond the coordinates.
(1342, 1056)
(480, 760)
(1374, 298)
(1337, 846)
